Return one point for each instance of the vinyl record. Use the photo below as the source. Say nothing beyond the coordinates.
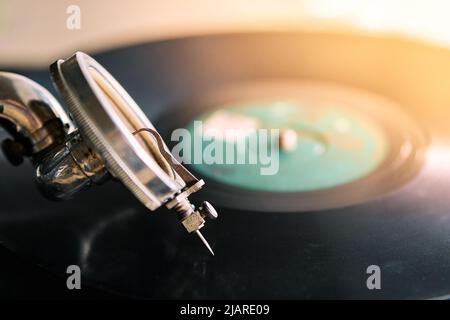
(366, 183)
(352, 146)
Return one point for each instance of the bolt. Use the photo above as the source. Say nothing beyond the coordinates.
(208, 211)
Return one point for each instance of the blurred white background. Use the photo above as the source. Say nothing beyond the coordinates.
(34, 33)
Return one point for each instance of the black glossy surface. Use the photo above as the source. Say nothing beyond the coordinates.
(22, 279)
(123, 248)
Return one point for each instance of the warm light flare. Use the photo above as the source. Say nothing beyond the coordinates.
(427, 19)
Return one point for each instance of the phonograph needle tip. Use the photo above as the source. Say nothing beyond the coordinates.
(204, 241)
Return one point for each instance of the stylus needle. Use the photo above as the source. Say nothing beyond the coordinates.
(204, 241)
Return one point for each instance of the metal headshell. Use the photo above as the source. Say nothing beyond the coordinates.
(107, 135)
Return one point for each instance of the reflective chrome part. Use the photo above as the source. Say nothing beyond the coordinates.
(43, 131)
(110, 135)
(107, 117)
(31, 114)
(69, 168)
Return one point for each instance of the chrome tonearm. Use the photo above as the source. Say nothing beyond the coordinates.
(108, 136)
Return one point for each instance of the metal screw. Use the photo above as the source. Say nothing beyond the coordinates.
(207, 210)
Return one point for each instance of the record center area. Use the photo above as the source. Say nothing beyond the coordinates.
(351, 145)
(334, 144)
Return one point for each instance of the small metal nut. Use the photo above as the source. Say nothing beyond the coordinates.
(193, 222)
